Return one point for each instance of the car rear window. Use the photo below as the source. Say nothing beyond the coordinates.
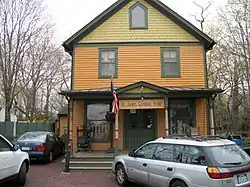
(37, 136)
(228, 155)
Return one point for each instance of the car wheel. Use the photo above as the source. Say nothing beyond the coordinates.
(178, 184)
(21, 178)
(48, 158)
(121, 176)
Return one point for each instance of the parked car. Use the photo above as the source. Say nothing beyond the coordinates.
(178, 161)
(14, 163)
(41, 145)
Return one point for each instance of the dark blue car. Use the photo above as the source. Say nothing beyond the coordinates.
(41, 145)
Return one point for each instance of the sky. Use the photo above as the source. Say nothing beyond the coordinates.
(71, 15)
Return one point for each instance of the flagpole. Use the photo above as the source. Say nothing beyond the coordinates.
(112, 125)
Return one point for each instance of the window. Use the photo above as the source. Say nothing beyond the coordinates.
(189, 154)
(182, 116)
(164, 152)
(33, 136)
(96, 121)
(138, 15)
(4, 146)
(228, 155)
(170, 62)
(51, 137)
(108, 63)
(146, 151)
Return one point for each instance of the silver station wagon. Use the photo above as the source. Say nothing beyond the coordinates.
(180, 161)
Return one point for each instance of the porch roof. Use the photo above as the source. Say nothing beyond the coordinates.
(119, 90)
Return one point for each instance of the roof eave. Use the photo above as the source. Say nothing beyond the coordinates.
(68, 44)
(209, 42)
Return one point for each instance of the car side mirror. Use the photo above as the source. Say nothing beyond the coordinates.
(131, 154)
(15, 147)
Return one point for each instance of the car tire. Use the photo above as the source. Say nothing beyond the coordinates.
(21, 178)
(48, 158)
(178, 183)
(120, 175)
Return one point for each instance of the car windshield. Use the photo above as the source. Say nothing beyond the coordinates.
(229, 155)
(33, 136)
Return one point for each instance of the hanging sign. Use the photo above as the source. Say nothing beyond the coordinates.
(141, 104)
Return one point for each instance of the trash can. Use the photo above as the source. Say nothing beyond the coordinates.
(237, 139)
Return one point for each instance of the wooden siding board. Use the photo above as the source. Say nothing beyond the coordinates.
(201, 116)
(63, 123)
(139, 63)
(78, 120)
(161, 123)
(117, 29)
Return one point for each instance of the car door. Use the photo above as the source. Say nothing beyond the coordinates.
(52, 141)
(161, 167)
(58, 145)
(137, 166)
(7, 161)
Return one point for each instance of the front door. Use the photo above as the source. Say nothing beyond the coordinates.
(139, 127)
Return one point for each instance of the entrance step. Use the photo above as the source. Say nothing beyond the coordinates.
(91, 163)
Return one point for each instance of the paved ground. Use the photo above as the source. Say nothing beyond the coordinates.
(51, 176)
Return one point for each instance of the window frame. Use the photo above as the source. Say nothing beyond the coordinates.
(163, 71)
(168, 144)
(201, 152)
(10, 146)
(86, 120)
(147, 144)
(100, 50)
(131, 27)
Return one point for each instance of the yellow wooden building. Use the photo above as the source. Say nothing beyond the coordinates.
(158, 63)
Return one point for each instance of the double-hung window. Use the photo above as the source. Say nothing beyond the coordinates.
(170, 62)
(108, 63)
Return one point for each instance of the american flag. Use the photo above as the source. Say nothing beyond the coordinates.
(115, 107)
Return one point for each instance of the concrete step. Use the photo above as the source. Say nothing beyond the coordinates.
(89, 168)
(91, 164)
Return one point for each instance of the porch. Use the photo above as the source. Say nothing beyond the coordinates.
(146, 112)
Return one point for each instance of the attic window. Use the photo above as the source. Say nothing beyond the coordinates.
(138, 16)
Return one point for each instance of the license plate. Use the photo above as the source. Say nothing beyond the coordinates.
(242, 178)
(25, 148)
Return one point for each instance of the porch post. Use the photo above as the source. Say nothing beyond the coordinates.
(211, 113)
(116, 126)
(166, 116)
(116, 148)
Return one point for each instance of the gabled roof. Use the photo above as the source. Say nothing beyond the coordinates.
(158, 5)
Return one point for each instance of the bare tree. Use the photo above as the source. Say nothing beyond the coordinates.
(21, 21)
(203, 14)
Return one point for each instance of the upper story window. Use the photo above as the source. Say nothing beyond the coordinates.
(170, 62)
(108, 63)
(138, 16)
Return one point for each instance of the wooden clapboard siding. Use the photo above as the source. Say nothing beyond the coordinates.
(160, 28)
(100, 146)
(161, 123)
(139, 63)
(201, 116)
(63, 121)
(78, 120)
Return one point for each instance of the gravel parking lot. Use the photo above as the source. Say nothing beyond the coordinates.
(51, 176)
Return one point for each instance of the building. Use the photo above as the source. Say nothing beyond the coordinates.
(158, 63)
(62, 121)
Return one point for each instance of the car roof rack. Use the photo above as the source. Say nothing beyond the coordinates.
(195, 137)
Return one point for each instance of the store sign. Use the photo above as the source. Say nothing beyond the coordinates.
(141, 104)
